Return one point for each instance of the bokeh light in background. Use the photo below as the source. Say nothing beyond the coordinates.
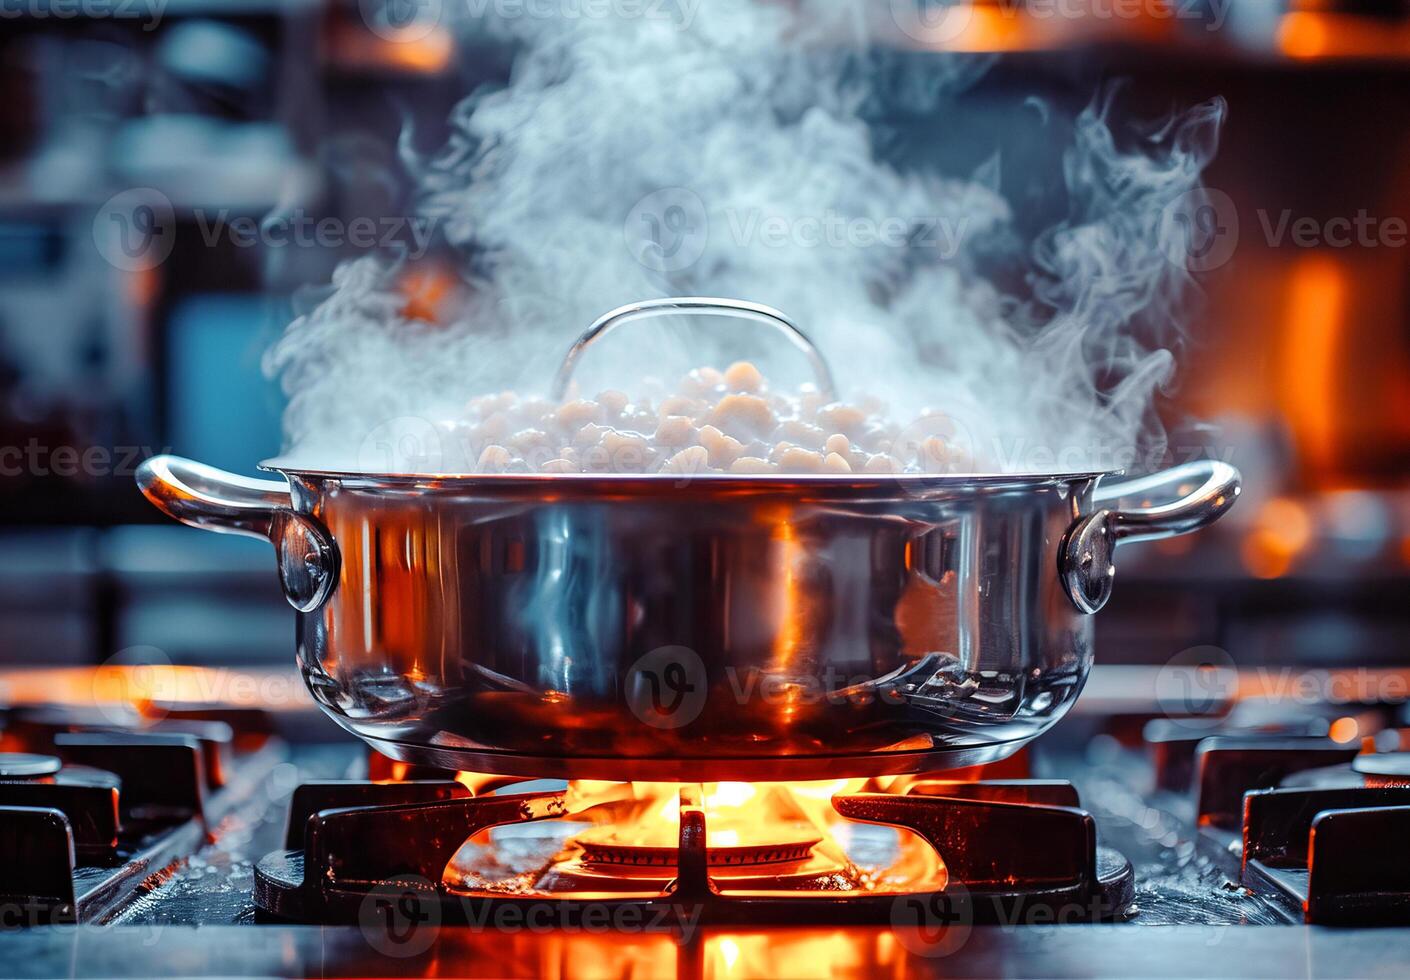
(283, 113)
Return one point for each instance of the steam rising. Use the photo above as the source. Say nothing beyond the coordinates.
(728, 154)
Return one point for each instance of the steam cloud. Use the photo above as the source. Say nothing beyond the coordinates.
(749, 119)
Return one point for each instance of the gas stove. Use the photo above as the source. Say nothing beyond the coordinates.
(740, 853)
(210, 839)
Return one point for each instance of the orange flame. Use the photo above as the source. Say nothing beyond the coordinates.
(761, 837)
(1316, 317)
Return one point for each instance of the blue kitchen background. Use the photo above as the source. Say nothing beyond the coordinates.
(248, 107)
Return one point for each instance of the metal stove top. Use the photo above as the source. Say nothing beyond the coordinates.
(174, 893)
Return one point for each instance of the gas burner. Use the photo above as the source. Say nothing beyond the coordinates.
(27, 765)
(636, 855)
(1333, 729)
(1384, 768)
(37, 728)
(88, 813)
(86, 798)
(995, 851)
(1318, 826)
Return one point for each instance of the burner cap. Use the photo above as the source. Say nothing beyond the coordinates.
(1384, 765)
(602, 852)
(24, 765)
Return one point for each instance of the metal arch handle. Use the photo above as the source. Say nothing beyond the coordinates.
(1202, 492)
(696, 306)
(205, 497)
(1175, 501)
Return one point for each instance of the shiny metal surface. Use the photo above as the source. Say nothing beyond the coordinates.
(205, 497)
(1174, 501)
(410, 948)
(695, 306)
(718, 627)
(27, 765)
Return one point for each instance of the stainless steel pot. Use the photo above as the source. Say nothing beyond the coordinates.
(720, 627)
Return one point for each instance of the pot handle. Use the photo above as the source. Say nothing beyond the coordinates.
(696, 306)
(1179, 500)
(205, 497)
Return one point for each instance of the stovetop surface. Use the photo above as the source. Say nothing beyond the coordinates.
(1178, 880)
(1191, 914)
(869, 951)
(214, 886)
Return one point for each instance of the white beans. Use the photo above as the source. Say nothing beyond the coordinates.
(743, 376)
(752, 464)
(676, 430)
(715, 422)
(577, 413)
(743, 416)
(692, 460)
(495, 459)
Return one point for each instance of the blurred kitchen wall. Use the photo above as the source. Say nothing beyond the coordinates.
(127, 326)
(140, 143)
